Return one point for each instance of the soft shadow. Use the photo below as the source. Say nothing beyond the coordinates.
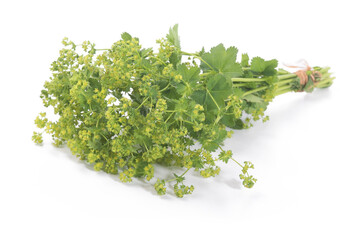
(301, 103)
(233, 183)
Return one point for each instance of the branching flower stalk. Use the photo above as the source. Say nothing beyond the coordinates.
(125, 110)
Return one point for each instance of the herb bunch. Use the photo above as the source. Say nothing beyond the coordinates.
(127, 109)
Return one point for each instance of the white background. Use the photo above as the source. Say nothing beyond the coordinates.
(306, 157)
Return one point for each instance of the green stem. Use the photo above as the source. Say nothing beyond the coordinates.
(324, 70)
(188, 122)
(240, 84)
(198, 57)
(146, 147)
(104, 137)
(167, 86)
(283, 91)
(284, 82)
(205, 74)
(287, 76)
(231, 157)
(325, 82)
(283, 88)
(255, 90)
(173, 179)
(236, 162)
(213, 99)
(169, 116)
(142, 103)
(97, 122)
(249, 79)
(283, 79)
(161, 61)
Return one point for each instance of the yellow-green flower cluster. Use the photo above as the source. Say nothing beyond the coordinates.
(210, 172)
(126, 109)
(37, 137)
(160, 187)
(181, 189)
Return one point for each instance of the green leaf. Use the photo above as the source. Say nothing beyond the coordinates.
(232, 122)
(252, 98)
(239, 92)
(144, 53)
(245, 60)
(258, 64)
(173, 36)
(199, 96)
(171, 93)
(190, 75)
(141, 139)
(218, 88)
(175, 59)
(270, 69)
(202, 52)
(213, 144)
(267, 68)
(126, 36)
(190, 78)
(222, 61)
(250, 107)
(183, 105)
